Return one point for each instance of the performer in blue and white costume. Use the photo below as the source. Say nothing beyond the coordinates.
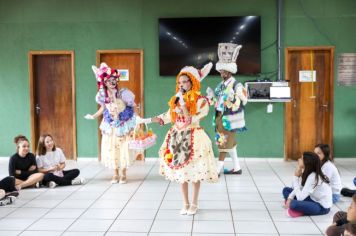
(118, 123)
(229, 98)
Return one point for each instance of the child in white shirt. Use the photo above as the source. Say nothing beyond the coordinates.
(329, 169)
(311, 193)
(51, 161)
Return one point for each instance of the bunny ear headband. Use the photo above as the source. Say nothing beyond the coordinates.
(198, 74)
(104, 72)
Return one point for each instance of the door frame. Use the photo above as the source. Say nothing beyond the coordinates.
(34, 134)
(331, 49)
(123, 51)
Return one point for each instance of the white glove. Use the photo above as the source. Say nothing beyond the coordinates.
(140, 120)
(241, 95)
(89, 117)
(210, 93)
(239, 91)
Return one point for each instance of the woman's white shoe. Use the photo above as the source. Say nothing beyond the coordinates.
(192, 210)
(184, 210)
(115, 179)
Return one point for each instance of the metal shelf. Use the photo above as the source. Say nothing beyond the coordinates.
(270, 100)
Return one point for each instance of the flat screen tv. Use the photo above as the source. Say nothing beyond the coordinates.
(194, 42)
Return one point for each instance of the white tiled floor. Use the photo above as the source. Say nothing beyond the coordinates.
(245, 205)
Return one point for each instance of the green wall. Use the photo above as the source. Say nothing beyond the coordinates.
(88, 25)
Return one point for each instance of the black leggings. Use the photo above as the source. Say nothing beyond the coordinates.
(69, 175)
(8, 184)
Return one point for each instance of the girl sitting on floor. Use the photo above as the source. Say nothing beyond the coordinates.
(8, 192)
(329, 169)
(311, 193)
(51, 161)
(22, 165)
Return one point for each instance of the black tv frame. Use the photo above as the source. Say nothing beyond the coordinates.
(194, 41)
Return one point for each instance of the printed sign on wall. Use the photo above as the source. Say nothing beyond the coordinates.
(307, 76)
(124, 75)
(346, 69)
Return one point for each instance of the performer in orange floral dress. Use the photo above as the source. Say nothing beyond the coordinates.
(186, 155)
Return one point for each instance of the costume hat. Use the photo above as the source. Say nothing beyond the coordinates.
(227, 53)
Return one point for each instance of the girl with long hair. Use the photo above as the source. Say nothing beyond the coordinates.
(329, 169)
(311, 193)
(51, 162)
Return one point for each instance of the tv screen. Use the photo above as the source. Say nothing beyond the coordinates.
(194, 42)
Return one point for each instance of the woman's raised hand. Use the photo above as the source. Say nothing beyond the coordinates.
(89, 117)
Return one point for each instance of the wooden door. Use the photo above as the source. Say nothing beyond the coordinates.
(131, 60)
(52, 99)
(309, 117)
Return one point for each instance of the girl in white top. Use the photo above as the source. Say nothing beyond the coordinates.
(51, 161)
(311, 193)
(329, 169)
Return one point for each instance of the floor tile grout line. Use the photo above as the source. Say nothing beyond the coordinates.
(317, 225)
(133, 194)
(342, 165)
(40, 218)
(159, 207)
(34, 198)
(229, 200)
(86, 209)
(283, 169)
(259, 192)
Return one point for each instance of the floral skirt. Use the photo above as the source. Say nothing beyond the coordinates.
(115, 152)
(192, 156)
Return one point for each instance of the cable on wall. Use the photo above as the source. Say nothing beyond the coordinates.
(315, 23)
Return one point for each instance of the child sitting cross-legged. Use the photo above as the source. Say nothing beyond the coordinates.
(311, 193)
(329, 169)
(51, 161)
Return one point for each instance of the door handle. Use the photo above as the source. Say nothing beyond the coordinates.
(38, 109)
(294, 103)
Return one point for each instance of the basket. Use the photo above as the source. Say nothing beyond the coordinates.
(142, 139)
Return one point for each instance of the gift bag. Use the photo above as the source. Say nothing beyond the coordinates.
(143, 138)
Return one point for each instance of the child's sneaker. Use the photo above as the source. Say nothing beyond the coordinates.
(52, 184)
(7, 200)
(293, 213)
(78, 181)
(4, 201)
(347, 192)
(12, 199)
